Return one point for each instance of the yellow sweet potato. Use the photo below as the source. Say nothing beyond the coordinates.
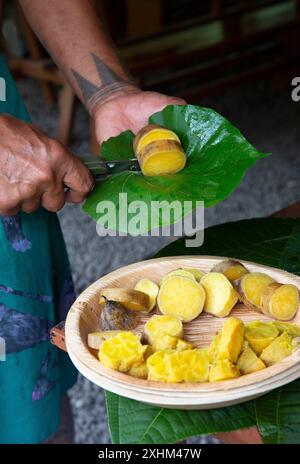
(214, 347)
(178, 272)
(260, 335)
(289, 327)
(179, 366)
(223, 370)
(279, 349)
(231, 340)
(248, 362)
(140, 371)
(122, 352)
(220, 294)
(96, 338)
(159, 151)
(280, 301)
(162, 332)
(251, 287)
(231, 268)
(130, 299)
(181, 297)
(149, 288)
(152, 133)
(182, 345)
(196, 272)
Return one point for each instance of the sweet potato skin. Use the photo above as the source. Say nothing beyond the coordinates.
(115, 316)
(231, 268)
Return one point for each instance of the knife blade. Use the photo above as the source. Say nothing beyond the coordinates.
(101, 169)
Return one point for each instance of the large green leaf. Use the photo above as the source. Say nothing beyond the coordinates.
(274, 242)
(218, 157)
(278, 415)
(134, 422)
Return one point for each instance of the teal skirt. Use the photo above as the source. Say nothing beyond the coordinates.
(36, 291)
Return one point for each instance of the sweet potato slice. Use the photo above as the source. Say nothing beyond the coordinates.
(181, 297)
(131, 299)
(231, 340)
(220, 294)
(180, 366)
(161, 157)
(122, 352)
(290, 328)
(178, 272)
(152, 133)
(279, 349)
(223, 369)
(260, 335)
(196, 272)
(149, 288)
(280, 301)
(251, 287)
(249, 362)
(231, 268)
(162, 332)
(96, 338)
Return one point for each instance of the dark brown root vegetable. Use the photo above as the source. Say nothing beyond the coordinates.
(115, 316)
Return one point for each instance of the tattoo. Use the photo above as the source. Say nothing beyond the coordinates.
(110, 83)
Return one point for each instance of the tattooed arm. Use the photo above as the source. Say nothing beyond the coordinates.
(77, 41)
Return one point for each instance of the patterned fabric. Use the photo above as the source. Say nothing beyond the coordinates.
(36, 291)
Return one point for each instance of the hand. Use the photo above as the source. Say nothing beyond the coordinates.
(129, 110)
(34, 170)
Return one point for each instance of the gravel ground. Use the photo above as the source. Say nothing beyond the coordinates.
(268, 118)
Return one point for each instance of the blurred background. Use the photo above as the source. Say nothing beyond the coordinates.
(238, 57)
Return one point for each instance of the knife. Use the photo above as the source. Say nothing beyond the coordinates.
(101, 169)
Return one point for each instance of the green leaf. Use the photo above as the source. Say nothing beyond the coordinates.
(271, 241)
(278, 415)
(134, 422)
(218, 158)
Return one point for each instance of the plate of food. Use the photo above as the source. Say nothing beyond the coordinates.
(188, 332)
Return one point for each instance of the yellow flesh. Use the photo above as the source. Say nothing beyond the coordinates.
(284, 302)
(178, 272)
(162, 163)
(279, 349)
(181, 297)
(196, 273)
(248, 362)
(220, 295)
(149, 288)
(122, 352)
(156, 134)
(253, 285)
(235, 272)
(223, 370)
(231, 340)
(261, 336)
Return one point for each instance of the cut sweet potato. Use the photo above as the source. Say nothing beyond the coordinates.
(131, 299)
(223, 370)
(214, 347)
(290, 328)
(280, 301)
(231, 340)
(180, 366)
(115, 316)
(162, 332)
(141, 371)
(96, 338)
(149, 288)
(152, 133)
(251, 287)
(220, 294)
(231, 268)
(279, 349)
(161, 157)
(248, 362)
(181, 272)
(260, 335)
(122, 352)
(196, 272)
(181, 297)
